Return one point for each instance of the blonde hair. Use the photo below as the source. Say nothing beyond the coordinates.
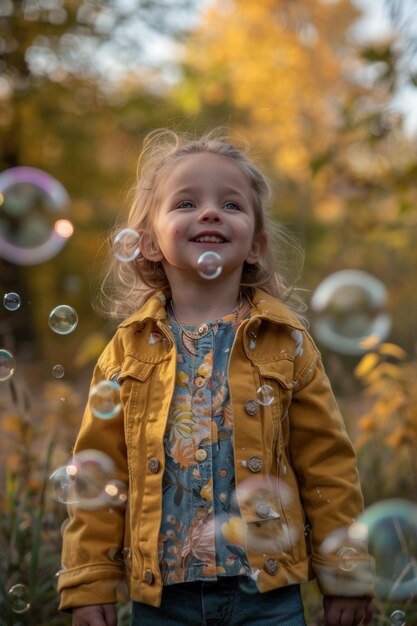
(126, 286)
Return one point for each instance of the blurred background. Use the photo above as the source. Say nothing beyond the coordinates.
(325, 91)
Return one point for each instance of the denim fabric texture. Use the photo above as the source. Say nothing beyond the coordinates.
(231, 601)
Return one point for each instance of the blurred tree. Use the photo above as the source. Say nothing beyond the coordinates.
(66, 107)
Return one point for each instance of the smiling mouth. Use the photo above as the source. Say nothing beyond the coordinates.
(209, 239)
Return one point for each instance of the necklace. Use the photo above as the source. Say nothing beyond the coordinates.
(204, 328)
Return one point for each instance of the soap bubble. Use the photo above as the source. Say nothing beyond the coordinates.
(32, 204)
(105, 399)
(398, 618)
(209, 265)
(18, 596)
(126, 245)
(63, 319)
(82, 482)
(61, 485)
(391, 527)
(265, 395)
(348, 558)
(11, 301)
(346, 543)
(58, 371)
(350, 308)
(7, 365)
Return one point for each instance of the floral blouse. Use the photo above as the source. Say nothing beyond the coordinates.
(199, 480)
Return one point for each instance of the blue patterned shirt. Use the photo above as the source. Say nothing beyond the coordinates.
(199, 507)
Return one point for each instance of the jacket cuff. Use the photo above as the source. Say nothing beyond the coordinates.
(355, 578)
(90, 584)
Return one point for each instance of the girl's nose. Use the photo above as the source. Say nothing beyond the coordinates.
(210, 214)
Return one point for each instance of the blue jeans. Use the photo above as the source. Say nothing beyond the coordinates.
(230, 601)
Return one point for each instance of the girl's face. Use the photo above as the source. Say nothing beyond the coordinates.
(205, 204)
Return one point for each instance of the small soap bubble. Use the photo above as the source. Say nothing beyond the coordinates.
(126, 245)
(11, 301)
(398, 618)
(63, 319)
(58, 371)
(348, 559)
(265, 395)
(350, 309)
(18, 597)
(7, 365)
(105, 399)
(209, 265)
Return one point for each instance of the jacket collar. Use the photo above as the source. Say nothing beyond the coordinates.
(264, 306)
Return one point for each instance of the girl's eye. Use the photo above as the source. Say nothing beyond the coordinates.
(231, 206)
(185, 204)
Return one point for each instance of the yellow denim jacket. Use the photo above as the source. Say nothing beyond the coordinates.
(294, 454)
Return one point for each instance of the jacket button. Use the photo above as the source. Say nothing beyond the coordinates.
(252, 407)
(148, 576)
(200, 455)
(153, 465)
(263, 510)
(271, 566)
(255, 464)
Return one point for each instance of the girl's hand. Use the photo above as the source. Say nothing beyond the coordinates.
(95, 615)
(345, 611)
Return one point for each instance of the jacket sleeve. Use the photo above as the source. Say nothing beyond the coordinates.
(92, 568)
(325, 463)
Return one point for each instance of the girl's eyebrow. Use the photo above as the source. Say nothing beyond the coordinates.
(232, 190)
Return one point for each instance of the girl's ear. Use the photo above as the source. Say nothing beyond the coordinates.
(149, 247)
(258, 248)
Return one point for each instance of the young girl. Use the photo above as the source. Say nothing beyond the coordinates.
(242, 482)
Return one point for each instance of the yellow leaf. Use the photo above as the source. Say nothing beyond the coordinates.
(391, 349)
(366, 365)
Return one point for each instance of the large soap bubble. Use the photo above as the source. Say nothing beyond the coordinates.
(33, 205)
(391, 530)
(350, 312)
(87, 481)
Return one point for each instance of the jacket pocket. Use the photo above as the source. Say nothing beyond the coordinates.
(277, 379)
